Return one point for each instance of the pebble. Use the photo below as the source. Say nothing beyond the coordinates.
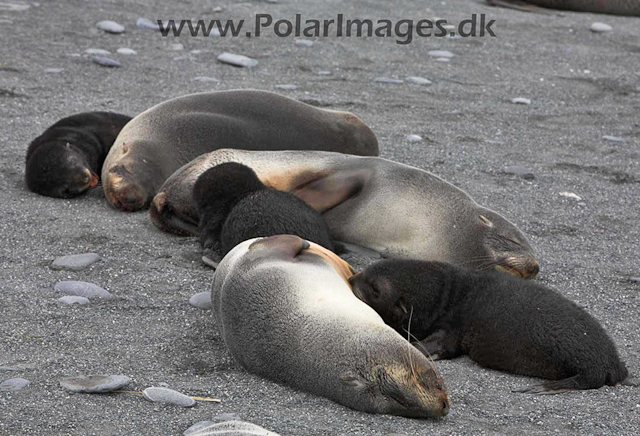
(232, 427)
(304, 42)
(520, 171)
(127, 51)
(570, 195)
(324, 73)
(53, 70)
(82, 289)
(14, 384)
(237, 60)
(598, 27)
(441, 54)
(176, 47)
(613, 138)
(145, 23)
(166, 395)
(520, 100)
(201, 300)
(388, 80)
(204, 79)
(105, 62)
(97, 52)
(75, 262)
(418, 80)
(413, 138)
(6, 21)
(110, 27)
(14, 7)
(287, 86)
(95, 384)
(72, 299)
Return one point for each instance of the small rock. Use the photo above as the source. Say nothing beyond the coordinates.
(53, 70)
(176, 47)
(97, 52)
(75, 262)
(304, 42)
(237, 60)
(324, 73)
(218, 9)
(232, 427)
(72, 299)
(201, 300)
(14, 384)
(204, 79)
(144, 23)
(127, 51)
(110, 27)
(82, 289)
(95, 384)
(519, 171)
(287, 86)
(598, 27)
(166, 395)
(413, 138)
(418, 80)
(613, 138)
(441, 54)
(443, 59)
(520, 100)
(570, 195)
(195, 52)
(6, 21)
(388, 80)
(105, 62)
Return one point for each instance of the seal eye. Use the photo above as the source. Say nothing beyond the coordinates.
(485, 221)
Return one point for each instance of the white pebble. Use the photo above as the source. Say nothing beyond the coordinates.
(127, 51)
(110, 26)
(521, 100)
(613, 138)
(413, 138)
(418, 80)
(570, 195)
(304, 42)
(440, 54)
(598, 27)
(237, 60)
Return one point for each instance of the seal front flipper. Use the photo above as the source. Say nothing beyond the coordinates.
(329, 191)
(439, 345)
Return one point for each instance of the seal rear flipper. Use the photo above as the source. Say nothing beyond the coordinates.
(574, 383)
(331, 190)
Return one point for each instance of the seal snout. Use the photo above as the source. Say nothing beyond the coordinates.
(123, 193)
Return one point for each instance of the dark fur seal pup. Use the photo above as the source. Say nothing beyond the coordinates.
(66, 159)
(162, 139)
(501, 322)
(613, 7)
(394, 209)
(286, 312)
(234, 205)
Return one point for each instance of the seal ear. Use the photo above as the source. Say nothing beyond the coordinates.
(329, 191)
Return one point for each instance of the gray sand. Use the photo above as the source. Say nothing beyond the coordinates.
(470, 132)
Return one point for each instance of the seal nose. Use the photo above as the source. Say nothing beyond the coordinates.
(534, 269)
(444, 401)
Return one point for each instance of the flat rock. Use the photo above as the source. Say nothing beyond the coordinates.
(205, 79)
(388, 80)
(441, 54)
(73, 299)
(418, 80)
(236, 428)
(413, 138)
(169, 396)
(14, 384)
(82, 289)
(201, 300)
(519, 171)
(95, 384)
(53, 70)
(304, 42)
(145, 23)
(75, 262)
(106, 62)
(598, 27)
(127, 51)
(97, 52)
(520, 100)
(237, 60)
(570, 195)
(613, 138)
(110, 26)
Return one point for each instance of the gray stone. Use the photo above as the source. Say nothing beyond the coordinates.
(598, 27)
(110, 27)
(75, 262)
(418, 80)
(520, 100)
(82, 289)
(304, 42)
(413, 138)
(106, 62)
(440, 54)
(287, 87)
(73, 299)
(169, 396)
(127, 51)
(14, 384)
(232, 428)
(519, 171)
(95, 384)
(388, 80)
(205, 79)
(53, 70)
(145, 23)
(201, 300)
(97, 52)
(324, 73)
(613, 138)
(237, 60)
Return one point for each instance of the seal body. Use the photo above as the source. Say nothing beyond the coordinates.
(234, 205)
(394, 209)
(501, 322)
(613, 7)
(66, 159)
(162, 139)
(286, 312)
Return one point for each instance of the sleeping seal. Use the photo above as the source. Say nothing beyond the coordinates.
(613, 7)
(394, 209)
(162, 139)
(286, 312)
(66, 159)
(501, 322)
(234, 205)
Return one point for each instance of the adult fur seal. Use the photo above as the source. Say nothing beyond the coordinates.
(234, 205)
(614, 7)
(501, 322)
(66, 159)
(286, 312)
(395, 209)
(162, 139)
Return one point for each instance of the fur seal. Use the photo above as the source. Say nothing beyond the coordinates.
(613, 7)
(286, 312)
(501, 322)
(162, 139)
(234, 205)
(392, 208)
(66, 159)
